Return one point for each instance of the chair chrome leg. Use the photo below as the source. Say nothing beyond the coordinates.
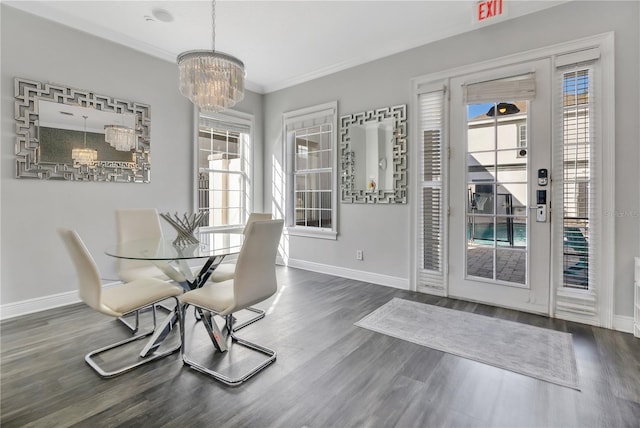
(270, 353)
(260, 312)
(260, 315)
(89, 358)
(108, 374)
(134, 328)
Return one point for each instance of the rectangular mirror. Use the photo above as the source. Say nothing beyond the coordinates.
(71, 134)
(373, 151)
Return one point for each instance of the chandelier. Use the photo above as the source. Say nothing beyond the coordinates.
(214, 81)
(84, 156)
(119, 137)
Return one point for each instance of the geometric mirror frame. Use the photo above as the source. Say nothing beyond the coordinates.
(364, 170)
(50, 148)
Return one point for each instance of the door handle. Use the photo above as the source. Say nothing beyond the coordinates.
(541, 212)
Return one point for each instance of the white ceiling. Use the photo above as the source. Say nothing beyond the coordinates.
(282, 43)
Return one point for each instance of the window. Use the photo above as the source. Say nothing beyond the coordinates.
(310, 141)
(577, 175)
(224, 169)
(312, 176)
(584, 176)
(432, 197)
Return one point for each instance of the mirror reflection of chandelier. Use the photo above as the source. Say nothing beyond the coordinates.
(84, 156)
(120, 138)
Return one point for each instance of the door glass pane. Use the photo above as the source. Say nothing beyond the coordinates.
(511, 166)
(509, 124)
(480, 199)
(479, 261)
(480, 129)
(511, 231)
(481, 166)
(511, 266)
(511, 199)
(497, 191)
(480, 230)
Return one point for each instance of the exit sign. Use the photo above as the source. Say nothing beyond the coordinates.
(488, 11)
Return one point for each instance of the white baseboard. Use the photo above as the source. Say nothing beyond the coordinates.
(373, 278)
(29, 306)
(10, 310)
(623, 323)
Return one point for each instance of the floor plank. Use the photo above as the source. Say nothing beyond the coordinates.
(329, 373)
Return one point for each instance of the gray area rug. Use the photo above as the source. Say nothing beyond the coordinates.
(533, 351)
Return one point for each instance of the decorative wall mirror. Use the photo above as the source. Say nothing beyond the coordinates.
(373, 149)
(72, 134)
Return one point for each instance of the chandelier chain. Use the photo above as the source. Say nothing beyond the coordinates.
(213, 25)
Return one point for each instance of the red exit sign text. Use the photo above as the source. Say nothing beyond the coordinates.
(488, 9)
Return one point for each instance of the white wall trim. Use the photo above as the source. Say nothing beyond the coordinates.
(11, 310)
(30, 306)
(623, 323)
(373, 278)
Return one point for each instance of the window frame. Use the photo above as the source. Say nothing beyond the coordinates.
(247, 161)
(326, 113)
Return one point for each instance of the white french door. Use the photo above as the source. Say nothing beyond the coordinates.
(484, 132)
(499, 189)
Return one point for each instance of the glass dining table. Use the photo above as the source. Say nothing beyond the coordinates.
(213, 246)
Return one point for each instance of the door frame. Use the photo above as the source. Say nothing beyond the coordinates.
(605, 42)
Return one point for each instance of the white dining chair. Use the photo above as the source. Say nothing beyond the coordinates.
(134, 224)
(116, 301)
(254, 281)
(226, 271)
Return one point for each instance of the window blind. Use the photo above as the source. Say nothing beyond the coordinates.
(574, 58)
(522, 87)
(432, 209)
(577, 187)
(323, 117)
(216, 123)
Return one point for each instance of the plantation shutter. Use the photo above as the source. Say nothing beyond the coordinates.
(577, 180)
(432, 216)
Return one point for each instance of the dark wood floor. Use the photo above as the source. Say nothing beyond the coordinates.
(329, 373)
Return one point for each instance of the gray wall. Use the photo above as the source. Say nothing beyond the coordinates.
(384, 231)
(34, 263)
